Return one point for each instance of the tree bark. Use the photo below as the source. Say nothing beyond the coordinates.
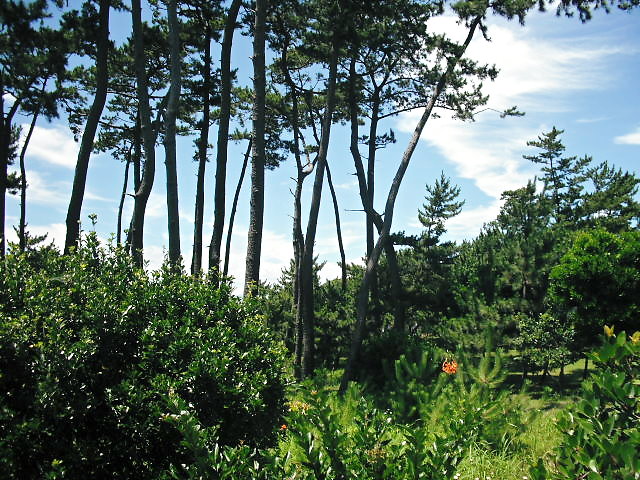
(203, 145)
(123, 195)
(306, 269)
(234, 207)
(225, 114)
(86, 144)
(372, 261)
(256, 214)
(173, 216)
(148, 138)
(22, 229)
(5, 139)
(366, 185)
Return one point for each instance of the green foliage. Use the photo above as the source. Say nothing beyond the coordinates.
(601, 432)
(422, 427)
(597, 282)
(544, 342)
(94, 354)
(440, 206)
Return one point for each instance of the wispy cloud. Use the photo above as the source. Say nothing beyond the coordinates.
(536, 74)
(53, 145)
(45, 191)
(632, 138)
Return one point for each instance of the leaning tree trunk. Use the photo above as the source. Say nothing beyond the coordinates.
(123, 196)
(234, 208)
(203, 145)
(372, 261)
(86, 145)
(256, 214)
(365, 186)
(306, 267)
(173, 217)
(148, 138)
(22, 229)
(336, 212)
(225, 114)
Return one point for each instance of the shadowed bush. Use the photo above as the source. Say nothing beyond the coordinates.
(93, 351)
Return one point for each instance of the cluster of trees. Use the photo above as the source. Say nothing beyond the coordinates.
(350, 62)
(558, 263)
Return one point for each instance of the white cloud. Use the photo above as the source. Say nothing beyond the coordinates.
(469, 222)
(56, 233)
(54, 193)
(156, 206)
(43, 191)
(536, 73)
(632, 138)
(53, 145)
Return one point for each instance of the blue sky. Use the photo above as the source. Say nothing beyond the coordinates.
(578, 77)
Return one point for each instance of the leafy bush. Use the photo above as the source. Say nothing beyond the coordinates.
(602, 431)
(92, 349)
(598, 281)
(544, 342)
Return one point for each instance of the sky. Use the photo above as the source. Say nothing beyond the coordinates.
(581, 78)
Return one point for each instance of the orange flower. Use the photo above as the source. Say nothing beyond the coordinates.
(283, 427)
(450, 367)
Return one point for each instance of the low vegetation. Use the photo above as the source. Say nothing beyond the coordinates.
(110, 371)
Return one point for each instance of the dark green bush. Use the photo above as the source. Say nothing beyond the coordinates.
(601, 432)
(92, 349)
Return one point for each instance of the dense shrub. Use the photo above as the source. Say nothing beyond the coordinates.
(94, 353)
(602, 430)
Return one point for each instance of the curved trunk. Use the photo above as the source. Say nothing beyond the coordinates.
(22, 234)
(234, 207)
(86, 145)
(336, 211)
(123, 195)
(223, 126)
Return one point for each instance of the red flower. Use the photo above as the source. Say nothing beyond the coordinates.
(283, 427)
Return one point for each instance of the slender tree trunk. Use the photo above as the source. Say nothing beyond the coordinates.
(137, 154)
(365, 184)
(586, 368)
(298, 244)
(5, 139)
(173, 215)
(336, 211)
(123, 195)
(372, 261)
(374, 296)
(256, 214)
(22, 229)
(137, 172)
(225, 114)
(148, 138)
(297, 236)
(306, 268)
(86, 145)
(203, 145)
(234, 207)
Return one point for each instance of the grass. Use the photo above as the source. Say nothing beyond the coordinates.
(512, 462)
